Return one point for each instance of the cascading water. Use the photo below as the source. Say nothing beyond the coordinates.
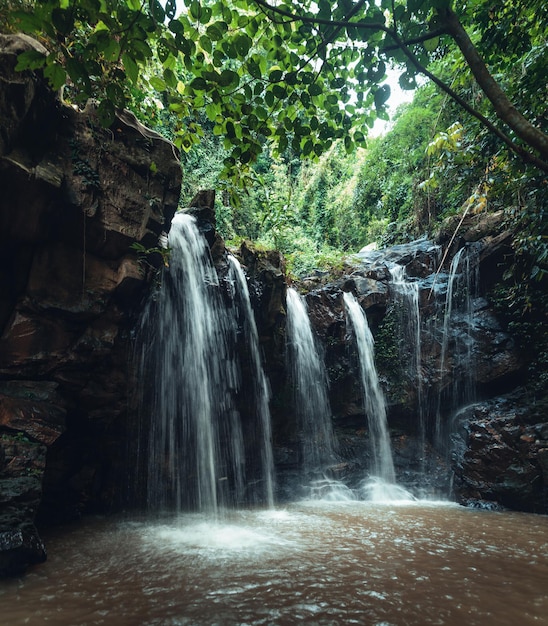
(260, 383)
(309, 381)
(457, 330)
(406, 293)
(374, 403)
(196, 456)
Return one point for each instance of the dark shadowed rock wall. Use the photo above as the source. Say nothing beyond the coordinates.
(74, 198)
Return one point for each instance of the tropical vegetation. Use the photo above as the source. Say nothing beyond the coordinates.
(272, 102)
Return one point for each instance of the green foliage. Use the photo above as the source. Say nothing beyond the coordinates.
(152, 258)
(298, 76)
(246, 89)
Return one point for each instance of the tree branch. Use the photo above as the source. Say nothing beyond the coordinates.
(517, 149)
(505, 109)
(295, 17)
(451, 26)
(420, 39)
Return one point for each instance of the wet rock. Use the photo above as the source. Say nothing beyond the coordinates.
(497, 456)
(75, 197)
(20, 548)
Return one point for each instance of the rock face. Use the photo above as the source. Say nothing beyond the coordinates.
(75, 197)
(439, 347)
(501, 453)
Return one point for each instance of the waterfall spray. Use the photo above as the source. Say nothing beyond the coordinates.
(196, 455)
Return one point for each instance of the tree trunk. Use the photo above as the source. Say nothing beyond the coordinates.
(505, 110)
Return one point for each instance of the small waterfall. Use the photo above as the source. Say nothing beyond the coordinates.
(457, 332)
(191, 377)
(374, 403)
(309, 381)
(406, 292)
(261, 388)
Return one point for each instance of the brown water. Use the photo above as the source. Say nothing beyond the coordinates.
(311, 563)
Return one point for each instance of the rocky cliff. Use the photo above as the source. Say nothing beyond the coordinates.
(462, 418)
(75, 197)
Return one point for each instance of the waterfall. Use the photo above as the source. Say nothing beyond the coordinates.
(191, 377)
(309, 382)
(260, 383)
(374, 402)
(462, 286)
(406, 292)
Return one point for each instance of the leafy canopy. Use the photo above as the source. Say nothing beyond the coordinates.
(300, 75)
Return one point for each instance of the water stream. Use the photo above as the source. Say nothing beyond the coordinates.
(259, 383)
(197, 457)
(457, 339)
(309, 383)
(374, 402)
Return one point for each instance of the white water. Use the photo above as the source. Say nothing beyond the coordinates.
(260, 383)
(196, 457)
(374, 402)
(309, 381)
(407, 293)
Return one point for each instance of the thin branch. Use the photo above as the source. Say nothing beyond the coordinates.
(432, 34)
(402, 45)
(295, 17)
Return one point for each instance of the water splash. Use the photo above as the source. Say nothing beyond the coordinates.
(374, 402)
(309, 382)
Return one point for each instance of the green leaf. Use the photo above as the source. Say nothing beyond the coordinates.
(132, 69)
(63, 20)
(275, 75)
(30, 60)
(376, 73)
(432, 44)
(407, 81)
(206, 44)
(243, 44)
(216, 30)
(79, 75)
(171, 8)
(314, 89)
(254, 69)
(157, 11)
(170, 78)
(229, 78)
(176, 27)
(106, 113)
(212, 110)
(195, 9)
(157, 83)
(206, 15)
(381, 96)
(56, 75)
(198, 84)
